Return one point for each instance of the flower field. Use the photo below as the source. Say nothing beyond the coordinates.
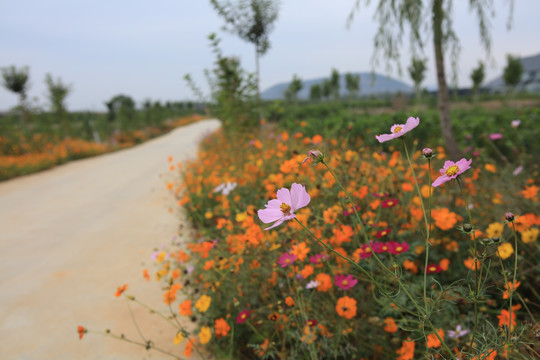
(324, 248)
(22, 154)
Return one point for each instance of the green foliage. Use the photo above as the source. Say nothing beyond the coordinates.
(334, 84)
(477, 77)
(315, 92)
(352, 83)
(512, 72)
(16, 80)
(291, 94)
(417, 71)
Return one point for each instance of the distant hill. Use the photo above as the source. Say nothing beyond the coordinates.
(381, 85)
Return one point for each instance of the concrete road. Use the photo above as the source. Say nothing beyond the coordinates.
(71, 235)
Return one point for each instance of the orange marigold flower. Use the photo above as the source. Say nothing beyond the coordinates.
(81, 330)
(306, 271)
(490, 356)
(121, 290)
(208, 264)
(407, 187)
(444, 263)
(433, 341)
(410, 265)
(221, 328)
(510, 288)
(444, 218)
(346, 307)
(528, 236)
(203, 303)
(145, 274)
(185, 308)
(406, 352)
(504, 317)
(390, 325)
(325, 282)
(301, 250)
(188, 349)
(530, 192)
(262, 348)
(289, 301)
(205, 335)
(470, 264)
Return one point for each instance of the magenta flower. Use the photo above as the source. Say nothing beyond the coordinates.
(495, 136)
(283, 208)
(388, 203)
(318, 259)
(345, 282)
(399, 130)
(382, 233)
(397, 248)
(243, 316)
(452, 170)
(286, 259)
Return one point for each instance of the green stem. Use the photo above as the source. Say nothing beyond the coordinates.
(513, 286)
(477, 276)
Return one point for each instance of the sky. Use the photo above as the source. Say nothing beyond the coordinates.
(143, 49)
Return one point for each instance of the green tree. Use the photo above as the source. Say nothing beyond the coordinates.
(16, 80)
(417, 71)
(121, 109)
(252, 21)
(315, 92)
(326, 88)
(477, 77)
(294, 88)
(352, 82)
(512, 72)
(334, 84)
(58, 92)
(395, 15)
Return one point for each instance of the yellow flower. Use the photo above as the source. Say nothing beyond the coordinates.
(205, 335)
(178, 339)
(505, 250)
(495, 229)
(203, 303)
(529, 235)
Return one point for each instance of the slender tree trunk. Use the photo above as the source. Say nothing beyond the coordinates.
(257, 70)
(452, 148)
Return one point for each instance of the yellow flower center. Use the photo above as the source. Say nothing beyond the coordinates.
(399, 248)
(345, 282)
(452, 170)
(285, 208)
(397, 129)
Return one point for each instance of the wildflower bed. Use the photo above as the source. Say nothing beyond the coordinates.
(22, 154)
(367, 259)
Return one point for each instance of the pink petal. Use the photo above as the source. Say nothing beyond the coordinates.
(411, 123)
(269, 214)
(385, 137)
(299, 196)
(440, 180)
(284, 196)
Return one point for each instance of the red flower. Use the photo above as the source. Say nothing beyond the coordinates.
(433, 269)
(382, 233)
(243, 316)
(388, 203)
(81, 330)
(397, 248)
(311, 322)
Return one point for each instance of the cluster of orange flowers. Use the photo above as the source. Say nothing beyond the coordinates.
(285, 288)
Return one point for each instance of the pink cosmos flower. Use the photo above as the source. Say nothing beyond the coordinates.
(495, 136)
(286, 259)
(283, 208)
(399, 130)
(452, 170)
(345, 282)
(515, 123)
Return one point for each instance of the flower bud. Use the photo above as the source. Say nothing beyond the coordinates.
(467, 228)
(496, 239)
(509, 216)
(315, 155)
(427, 152)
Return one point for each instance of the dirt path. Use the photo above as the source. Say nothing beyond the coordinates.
(69, 236)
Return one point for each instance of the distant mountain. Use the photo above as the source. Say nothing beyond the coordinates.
(381, 85)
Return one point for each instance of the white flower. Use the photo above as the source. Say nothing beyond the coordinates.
(225, 188)
(515, 123)
(518, 170)
(458, 333)
(312, 284)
